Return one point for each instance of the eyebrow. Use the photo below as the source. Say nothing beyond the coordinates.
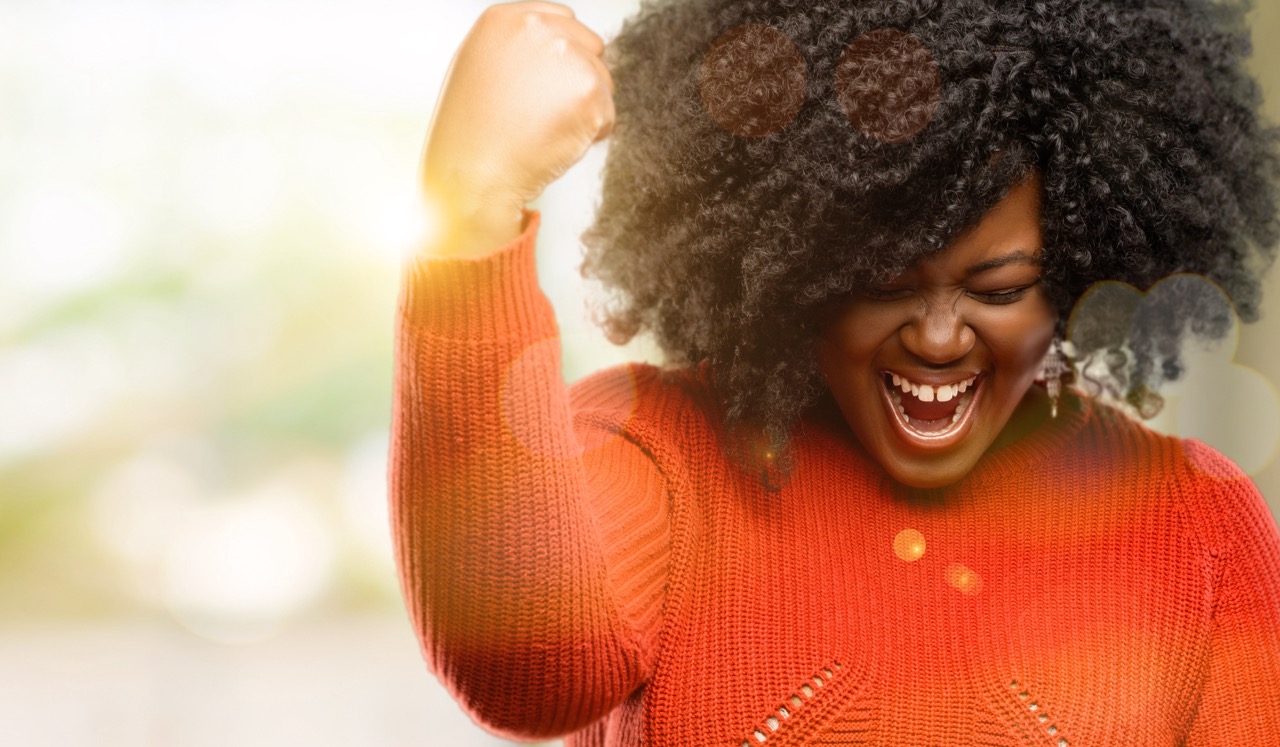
(1016, 257)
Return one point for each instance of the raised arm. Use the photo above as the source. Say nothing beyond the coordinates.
(532, 553)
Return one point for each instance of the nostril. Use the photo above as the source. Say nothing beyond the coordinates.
(938, 343)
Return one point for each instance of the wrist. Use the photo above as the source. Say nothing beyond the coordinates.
(473, 227)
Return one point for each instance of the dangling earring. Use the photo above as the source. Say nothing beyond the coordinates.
(1056, 364)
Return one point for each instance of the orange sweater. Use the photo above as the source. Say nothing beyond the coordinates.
(587, 561)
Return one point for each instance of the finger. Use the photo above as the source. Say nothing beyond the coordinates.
(602, 72)
(607, 129)
(609, 118)
(579, 34)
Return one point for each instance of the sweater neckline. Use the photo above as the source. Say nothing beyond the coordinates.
(1044, 440)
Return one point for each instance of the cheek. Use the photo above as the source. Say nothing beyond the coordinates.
(837, 360)
(853, 338)
(837, 347)
(1021, 340)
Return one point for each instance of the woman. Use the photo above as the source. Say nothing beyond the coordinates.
(846, 512)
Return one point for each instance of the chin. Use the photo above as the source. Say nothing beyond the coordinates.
(937, 450)
(928, 474)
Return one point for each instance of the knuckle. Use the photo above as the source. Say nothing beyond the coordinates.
(588, 91)
(532, 22)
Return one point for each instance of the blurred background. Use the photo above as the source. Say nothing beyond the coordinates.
(202, 212)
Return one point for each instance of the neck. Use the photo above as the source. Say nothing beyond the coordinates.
(1032, 412)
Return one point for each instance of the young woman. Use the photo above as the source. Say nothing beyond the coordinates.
(859, 505)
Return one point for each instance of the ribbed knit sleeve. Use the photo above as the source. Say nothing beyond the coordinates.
(531, 549)
(1240, 699)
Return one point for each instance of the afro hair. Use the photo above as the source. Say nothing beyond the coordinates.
(771, 156)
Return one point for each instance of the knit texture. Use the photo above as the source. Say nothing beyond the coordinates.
(587, 561)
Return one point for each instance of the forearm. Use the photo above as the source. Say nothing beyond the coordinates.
(500, 560)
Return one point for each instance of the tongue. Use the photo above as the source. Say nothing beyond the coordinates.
(928, 410)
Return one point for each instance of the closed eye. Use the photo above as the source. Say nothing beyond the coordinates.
(1000, 297)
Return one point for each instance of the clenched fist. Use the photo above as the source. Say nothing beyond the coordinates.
(526, 96)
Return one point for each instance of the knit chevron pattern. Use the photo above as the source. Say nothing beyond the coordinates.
(586, 561)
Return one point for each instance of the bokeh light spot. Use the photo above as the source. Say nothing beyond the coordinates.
(138, 503)
(964, 579)
(753, 80)
(236, 570)
(1231, 407)
(527, 395)
(888, 86)
(908, 545)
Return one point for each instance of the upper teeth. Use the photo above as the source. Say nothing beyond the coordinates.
(927, 392)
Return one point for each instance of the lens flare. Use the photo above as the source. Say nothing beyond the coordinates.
(887, 84)
(753, 80)
(1231, 407)
(964, 579)
(909, 545)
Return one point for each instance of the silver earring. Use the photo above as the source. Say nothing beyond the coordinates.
(1056, 364)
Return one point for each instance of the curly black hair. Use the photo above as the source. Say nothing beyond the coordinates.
(745, 193)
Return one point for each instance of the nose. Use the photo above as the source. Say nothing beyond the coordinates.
(937, 333)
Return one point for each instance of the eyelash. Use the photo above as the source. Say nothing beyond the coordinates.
(1000, 298)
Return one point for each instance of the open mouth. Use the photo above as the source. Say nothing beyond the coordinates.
(930, 411)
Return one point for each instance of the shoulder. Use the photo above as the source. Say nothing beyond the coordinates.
(1186, 460)
(649, 403)
(1226, 505)
(1219, 498)
(643, 387)
(1111, 438)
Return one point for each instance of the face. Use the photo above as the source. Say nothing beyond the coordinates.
(930, 368)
